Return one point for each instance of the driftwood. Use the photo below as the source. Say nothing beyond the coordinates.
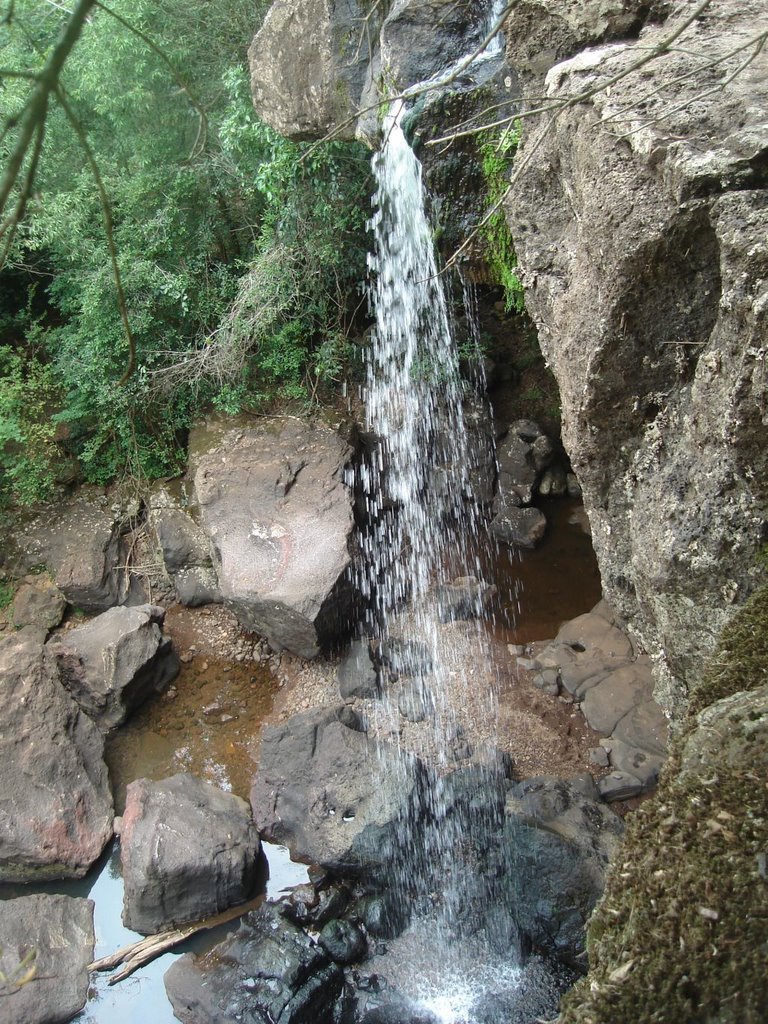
(145, 950)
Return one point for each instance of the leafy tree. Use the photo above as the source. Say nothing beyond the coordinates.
(204, 203)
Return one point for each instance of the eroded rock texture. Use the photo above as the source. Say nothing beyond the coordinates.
(646, 265)
(46, 944)
(55, 803)
(278, 514)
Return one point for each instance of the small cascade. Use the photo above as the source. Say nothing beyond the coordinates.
(424, 524)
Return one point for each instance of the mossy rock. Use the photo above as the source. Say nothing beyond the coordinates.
(681, 934)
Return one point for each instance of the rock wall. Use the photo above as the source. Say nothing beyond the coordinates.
(640, 222)
(639, 216)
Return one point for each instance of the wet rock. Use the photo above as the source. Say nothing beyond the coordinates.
(38, 602)
(418, 42)
(343, 941)
(415, 702)
(331, 794)
(279, 518)
(188, 851)
(384, 915)
(356, 674)
(464, 598)
(517, 471)
(559, 841)
(46, 944)
(113, 663)
(269, 970)
(523, 527)
(55, 800)
(317, 910)
(553, 483)
(404, 657)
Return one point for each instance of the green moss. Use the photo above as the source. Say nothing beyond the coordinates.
(498, 152)
(681, 934)
(741, 662)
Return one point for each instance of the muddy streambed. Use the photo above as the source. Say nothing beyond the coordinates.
(208, 723)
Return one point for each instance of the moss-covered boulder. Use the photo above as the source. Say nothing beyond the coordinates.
(681, 934)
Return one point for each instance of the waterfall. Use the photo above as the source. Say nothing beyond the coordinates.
(423, 525)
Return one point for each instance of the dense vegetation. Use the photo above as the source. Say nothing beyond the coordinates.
(239, 261)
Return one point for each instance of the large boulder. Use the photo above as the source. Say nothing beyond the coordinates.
(559, 840)
(269, 970)
(309, 65)
(82, 543)
(111, 664)
(645, 264)
(55, 803)
(38, 602)
(331, 794)
(278, 513)
(188, 851)
(46, 945)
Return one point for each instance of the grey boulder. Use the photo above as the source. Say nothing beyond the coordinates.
(46, 945)
(114, 662)
(188, 851)
(331, 794)
(278, 513)
(55, 802)
(559, 840)
(38, 602)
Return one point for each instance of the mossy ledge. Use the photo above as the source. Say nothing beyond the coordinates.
(681, 934)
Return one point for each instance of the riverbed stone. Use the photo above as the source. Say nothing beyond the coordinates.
(466, 597)
(55, 801)
(356, 674)
(559, 841)
(111, 664)
(268, 970)
(521, 527)
(278, 514)
(46, 945)
(188, 851)
(619, 785)
(605, 704)
(343, 941)
(644, 764)
(332, 794)
(38, 602)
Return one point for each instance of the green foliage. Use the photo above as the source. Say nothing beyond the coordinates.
(28, 450)
(498, 152)
(6, 593)
(196, 204)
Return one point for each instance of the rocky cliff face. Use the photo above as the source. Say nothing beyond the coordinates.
(640, 221)
(639, 215)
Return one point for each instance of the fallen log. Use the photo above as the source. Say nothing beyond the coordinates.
(142, 952)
